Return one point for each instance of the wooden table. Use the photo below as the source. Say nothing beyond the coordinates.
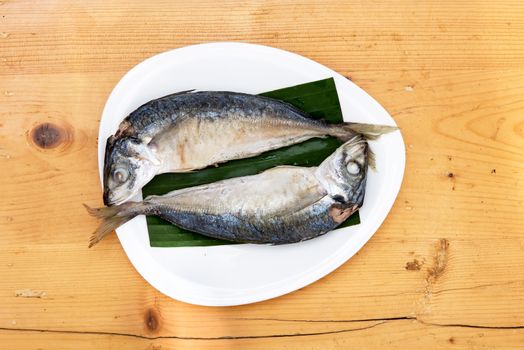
(445, 270)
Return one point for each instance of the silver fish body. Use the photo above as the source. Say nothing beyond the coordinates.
(188, 131)
(282, 205)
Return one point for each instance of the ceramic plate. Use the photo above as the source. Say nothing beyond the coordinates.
(247, 273)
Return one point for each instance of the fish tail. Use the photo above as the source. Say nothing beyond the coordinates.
(112, 217)
(345, 131)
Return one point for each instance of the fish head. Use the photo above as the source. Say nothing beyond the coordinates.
(129, 165)
(343, 173)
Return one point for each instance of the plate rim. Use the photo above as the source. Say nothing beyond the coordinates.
(261, 293)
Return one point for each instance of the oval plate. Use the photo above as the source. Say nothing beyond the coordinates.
(247, 273)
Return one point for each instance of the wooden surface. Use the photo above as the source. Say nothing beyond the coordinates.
(445, 270)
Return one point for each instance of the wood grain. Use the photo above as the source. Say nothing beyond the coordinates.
(443, 271)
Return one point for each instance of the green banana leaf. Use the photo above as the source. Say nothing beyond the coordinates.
(319, 99)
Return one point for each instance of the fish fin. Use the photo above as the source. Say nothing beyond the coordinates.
(372, 160)
(112, 217)
(370, 131)
(188, 170)
(144, 152)
(282, 167)
(150, 158)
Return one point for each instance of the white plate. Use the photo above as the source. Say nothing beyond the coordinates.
(241, 274)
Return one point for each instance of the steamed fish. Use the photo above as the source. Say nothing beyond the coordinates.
(281, 205)
(188, 131)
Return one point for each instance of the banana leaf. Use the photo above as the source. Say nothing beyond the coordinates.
(319, 99)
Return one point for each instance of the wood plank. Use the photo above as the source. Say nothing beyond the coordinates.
(465, 221)
(112, 297)
(99, 36)
(406, 230)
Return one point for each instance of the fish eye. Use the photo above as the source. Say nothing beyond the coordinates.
(120, 175)
(353, 168)
(339, 198)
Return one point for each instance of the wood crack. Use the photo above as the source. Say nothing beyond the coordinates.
(470, 325)
(379, 321)
(191, 338)
(477, 286)
(323, 321)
